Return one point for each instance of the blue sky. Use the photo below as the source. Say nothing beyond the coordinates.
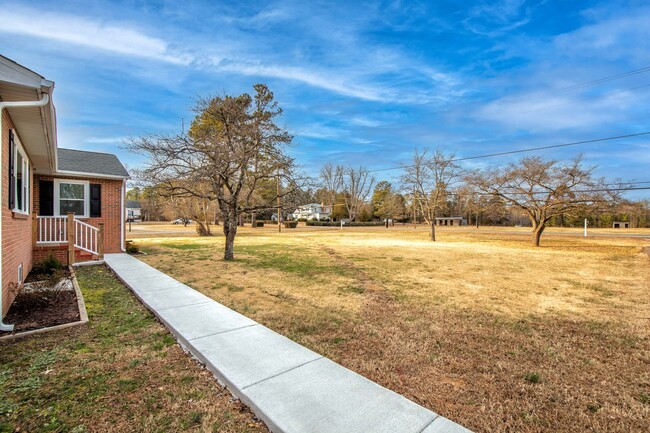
(359, 82)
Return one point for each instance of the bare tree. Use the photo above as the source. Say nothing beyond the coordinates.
(357, 185)
(332, 182)
(233, 146)
(430, 177)
(200, 210)
(541, 188)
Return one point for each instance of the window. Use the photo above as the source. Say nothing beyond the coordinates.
(71, 196)
(20, 179)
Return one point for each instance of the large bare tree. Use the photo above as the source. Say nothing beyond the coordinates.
(542, 189)
(331, 177)
(357, 186)
(233, 146)
(430, 176)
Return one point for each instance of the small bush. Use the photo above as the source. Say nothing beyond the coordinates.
(291, 224)
(48, 266)
(132, 249)
(259, 224)
(533, 377)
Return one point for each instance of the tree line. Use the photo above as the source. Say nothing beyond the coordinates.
(233, 162)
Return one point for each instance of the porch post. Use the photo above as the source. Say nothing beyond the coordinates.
(70, 238)
(100, 242)
(34, 230)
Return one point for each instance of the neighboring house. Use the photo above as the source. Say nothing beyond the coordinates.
(65, 202)
(451, 221)
(133, 210)
(312, 211)
(621, 224)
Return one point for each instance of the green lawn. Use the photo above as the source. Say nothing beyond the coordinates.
(121, 372)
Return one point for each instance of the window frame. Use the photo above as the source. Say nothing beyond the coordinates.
(26, 193)
(57, 196)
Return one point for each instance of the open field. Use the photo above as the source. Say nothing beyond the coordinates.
(122, 372)
(481, 328)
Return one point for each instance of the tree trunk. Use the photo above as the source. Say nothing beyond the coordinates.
(433, 230)
(230, 230)
(537, 233)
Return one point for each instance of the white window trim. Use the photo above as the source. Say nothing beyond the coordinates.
(57, 203)
(27, 171)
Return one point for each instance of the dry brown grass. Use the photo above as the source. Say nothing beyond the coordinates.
(464, 326)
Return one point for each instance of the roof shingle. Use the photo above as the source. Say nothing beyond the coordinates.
(102, 164)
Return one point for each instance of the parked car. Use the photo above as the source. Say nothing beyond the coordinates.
(184, 221)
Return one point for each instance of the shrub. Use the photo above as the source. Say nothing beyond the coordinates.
(291, 224)
(259, 224)
(132, 249)
(322, 223)
(304, 220)
(351, 224)
(49, 266)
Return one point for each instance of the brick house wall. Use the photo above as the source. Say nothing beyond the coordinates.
(111, 211)
(16, 228)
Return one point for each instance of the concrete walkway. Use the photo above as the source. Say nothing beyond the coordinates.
(289, 387)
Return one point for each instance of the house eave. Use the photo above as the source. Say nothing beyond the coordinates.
(35, 125)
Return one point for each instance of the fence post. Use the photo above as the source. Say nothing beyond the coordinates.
(34, 230)
(70, 238)
(100, 242)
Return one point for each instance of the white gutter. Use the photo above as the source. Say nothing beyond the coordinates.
(88, 174)
(12, 104)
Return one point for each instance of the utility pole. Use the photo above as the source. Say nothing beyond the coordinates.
(279, 206)
(586, 222)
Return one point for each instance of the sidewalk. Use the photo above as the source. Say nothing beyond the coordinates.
(289, 387)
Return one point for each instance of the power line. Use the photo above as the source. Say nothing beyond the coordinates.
(605, 79)
(531, 149)
(604, 95)
(572, 191)
(585, 84)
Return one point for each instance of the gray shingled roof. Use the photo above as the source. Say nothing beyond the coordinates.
(102, 164)
(133, 204)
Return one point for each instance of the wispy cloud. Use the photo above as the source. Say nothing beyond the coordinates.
(332, 82)
(319, 131)
(105, 140)
(91, 33)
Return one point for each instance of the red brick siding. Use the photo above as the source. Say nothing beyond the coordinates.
(112, 213)
(16, 230)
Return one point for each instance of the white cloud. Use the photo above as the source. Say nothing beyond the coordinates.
(364, 121)
(90, 33)
(105, 140)
(316, 130)
(327, 82)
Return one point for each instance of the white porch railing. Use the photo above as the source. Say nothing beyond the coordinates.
(51, 230)
(86, 237)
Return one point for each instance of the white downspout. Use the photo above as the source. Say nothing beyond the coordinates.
(123, 217)
(12, 104)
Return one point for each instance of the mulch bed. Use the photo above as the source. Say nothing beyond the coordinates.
(42, 307)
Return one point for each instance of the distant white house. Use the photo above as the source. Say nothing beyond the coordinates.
(312, 211)
(451, 221)
(133, 210)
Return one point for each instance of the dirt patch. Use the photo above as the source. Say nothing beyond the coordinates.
(47, 299)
